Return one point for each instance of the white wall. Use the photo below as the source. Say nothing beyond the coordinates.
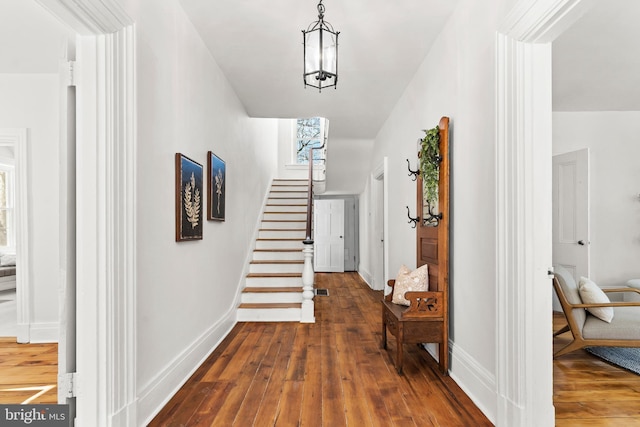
(348, 163)
(614, 145)
(456, 80)
(187, 292)
(31, 101)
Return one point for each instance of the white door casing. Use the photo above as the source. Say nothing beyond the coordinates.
(524, 368)
(379, 243)
(571, 211)
(328, 235)
(18, 138)
(105, 223)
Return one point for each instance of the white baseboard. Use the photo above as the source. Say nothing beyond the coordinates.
(41, 333)
(366, 276)
(155, 395)
(477, 382)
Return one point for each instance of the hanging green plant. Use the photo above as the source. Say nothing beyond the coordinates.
(430, 164)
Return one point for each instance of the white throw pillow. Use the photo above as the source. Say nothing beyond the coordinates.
(590, 293)
(406, 281)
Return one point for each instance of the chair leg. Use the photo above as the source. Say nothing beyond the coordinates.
(572, 346)
(562, 331)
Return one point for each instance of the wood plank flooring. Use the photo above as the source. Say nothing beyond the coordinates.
(588, 391)
(28, 372)
(331, 373)
(334, 373)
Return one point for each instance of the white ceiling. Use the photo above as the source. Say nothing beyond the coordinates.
(258, 45)
(596, 62)
(31, 39)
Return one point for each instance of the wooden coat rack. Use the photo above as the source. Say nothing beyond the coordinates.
(426, 320)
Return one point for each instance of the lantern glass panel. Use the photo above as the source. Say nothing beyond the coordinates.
(312, 52)
(329, 53)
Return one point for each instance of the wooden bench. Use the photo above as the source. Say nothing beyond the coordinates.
(422, 322)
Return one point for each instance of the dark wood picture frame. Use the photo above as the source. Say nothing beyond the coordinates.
(216, 180)
(189, 198)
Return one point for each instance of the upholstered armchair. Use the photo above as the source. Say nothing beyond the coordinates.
(623, 330)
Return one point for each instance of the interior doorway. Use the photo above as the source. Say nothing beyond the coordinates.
(13, 142)
(524, 369)
(380, 245)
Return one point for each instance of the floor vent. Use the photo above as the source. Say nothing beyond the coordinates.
(322, 292)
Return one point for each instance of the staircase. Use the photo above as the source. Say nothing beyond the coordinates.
(273, 287)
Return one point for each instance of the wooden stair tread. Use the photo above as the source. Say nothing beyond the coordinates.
(271, 305)
(280, 239)
(277, 250)
(264, 289)
(283, 220)
(277, 261)
(283, 229)
(274, 275)
(286, 212)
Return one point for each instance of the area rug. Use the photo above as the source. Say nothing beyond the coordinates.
(627, 358)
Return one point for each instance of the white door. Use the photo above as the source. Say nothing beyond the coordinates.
(571, 212)
(328, 235)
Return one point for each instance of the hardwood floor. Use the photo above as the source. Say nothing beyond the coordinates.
(331, 373)
(588, 391)
(28, 372)
(334, 373)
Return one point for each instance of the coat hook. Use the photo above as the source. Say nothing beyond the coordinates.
(431, 220)
(415, 173)
(412, 221)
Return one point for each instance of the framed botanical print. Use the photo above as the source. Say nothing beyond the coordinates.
(216, 179)
(189, 198)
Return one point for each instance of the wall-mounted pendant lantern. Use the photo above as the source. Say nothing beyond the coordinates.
(320, 43)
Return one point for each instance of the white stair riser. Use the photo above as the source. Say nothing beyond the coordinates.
(276, 216)
(283, 201)
(283, 224)
(288, 195)
(275, 268)
(271, 297)
(279, 256)
(283, 187)
(279, 244)
(272, 282)
(282, 234)
(286, 208)
(269, 314)
(296, 182)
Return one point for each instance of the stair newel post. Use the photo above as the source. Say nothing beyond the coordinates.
(307, 315)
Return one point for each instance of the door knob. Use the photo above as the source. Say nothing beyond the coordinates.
(581, 242)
